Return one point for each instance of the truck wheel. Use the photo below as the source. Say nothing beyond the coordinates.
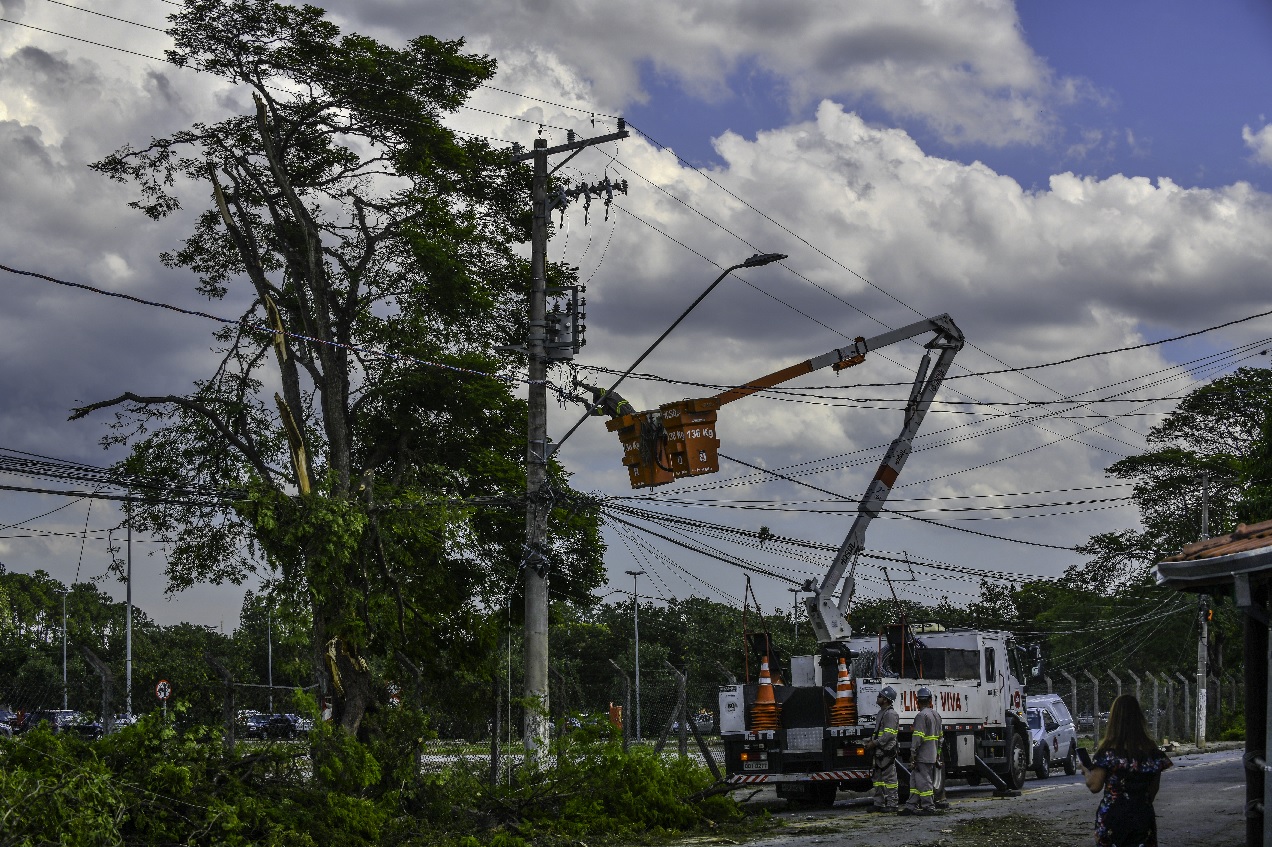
(973, 779)
(1042, 764)
(823, 795)
(903, 787)
(1017, 761)
(1071, 761)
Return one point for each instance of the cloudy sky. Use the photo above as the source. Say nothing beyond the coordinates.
(1061, 178)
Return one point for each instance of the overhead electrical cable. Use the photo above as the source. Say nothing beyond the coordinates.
(403, 357)
(746, 478)
(904, 515)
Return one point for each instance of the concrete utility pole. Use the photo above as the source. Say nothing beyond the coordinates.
(538, 452)
(1203, 625)
(128, 627)
(636, 634)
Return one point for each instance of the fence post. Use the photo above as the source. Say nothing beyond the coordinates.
(1073, 706)
(1170, 704)
(1156, 705)
(495, 728)
(1138, 698)
(1218, 701)
(559, 702)
(108, 683)
(1095, 702)
(1118, 680)
(627, 706)
(679, 710)
(227, 706)
(1187, 701)
(1047, 680)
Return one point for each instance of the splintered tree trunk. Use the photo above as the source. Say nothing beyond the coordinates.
(350, 679)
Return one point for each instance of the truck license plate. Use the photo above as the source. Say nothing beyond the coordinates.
(754, 766)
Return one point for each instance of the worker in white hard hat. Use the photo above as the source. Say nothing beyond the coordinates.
(884, 745)
(923, 757)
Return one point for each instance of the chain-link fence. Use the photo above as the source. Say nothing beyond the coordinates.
(1169, 700)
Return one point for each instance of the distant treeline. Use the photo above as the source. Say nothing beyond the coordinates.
(1135, 626)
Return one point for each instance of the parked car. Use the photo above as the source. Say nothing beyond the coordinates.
(1055, 738)
(64, 720)
(280, 726)
(7, 717)
(303, 724)
(254, 725)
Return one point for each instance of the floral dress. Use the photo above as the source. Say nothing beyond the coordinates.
(1125, 817)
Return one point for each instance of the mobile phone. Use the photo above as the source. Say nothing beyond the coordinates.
(1085, 758)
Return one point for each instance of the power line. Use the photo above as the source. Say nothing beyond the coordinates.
(352, 348)
(903, 514)
(1213, 360)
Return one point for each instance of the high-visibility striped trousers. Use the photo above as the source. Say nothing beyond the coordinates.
(922, 790)
(885, 782)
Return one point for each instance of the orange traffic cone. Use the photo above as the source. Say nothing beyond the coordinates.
(765, 713)
(844, 710)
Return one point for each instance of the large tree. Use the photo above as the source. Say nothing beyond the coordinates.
(375, 249)
(1217, 441)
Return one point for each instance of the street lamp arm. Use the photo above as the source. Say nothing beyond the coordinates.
(756, 261)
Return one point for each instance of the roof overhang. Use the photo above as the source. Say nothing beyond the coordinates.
(1203, 575)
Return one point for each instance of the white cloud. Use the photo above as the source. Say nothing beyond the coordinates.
(965, 69)
(1031, 276)
(1259, 142)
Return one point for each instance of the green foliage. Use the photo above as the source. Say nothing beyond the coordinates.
(1232, 725)
(54, 791)
(342, 198)
(1222, 429)
(151, 784)
(31, 650)
(592, 792)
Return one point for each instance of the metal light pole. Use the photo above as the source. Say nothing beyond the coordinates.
(795, 609)
(128, 629)
(64, 592)
(269, 654)
(1203, 628)
(636, 632)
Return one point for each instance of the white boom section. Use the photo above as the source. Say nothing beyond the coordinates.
(827, 613)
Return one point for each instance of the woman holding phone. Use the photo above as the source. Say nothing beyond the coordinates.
(1128, 767)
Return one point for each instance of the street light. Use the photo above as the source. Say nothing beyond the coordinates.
(759, 260)
(269, 653)
(64, 592)
(636, 632)
(128, 625)
(795, 607)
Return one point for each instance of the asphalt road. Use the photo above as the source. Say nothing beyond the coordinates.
(1200, 803)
